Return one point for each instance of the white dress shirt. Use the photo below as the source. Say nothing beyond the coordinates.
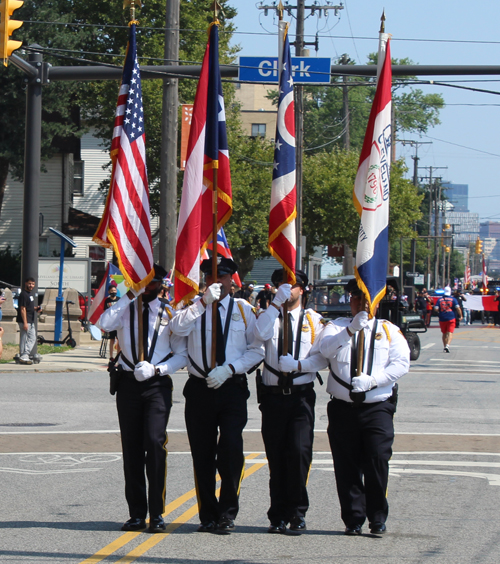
(391, 358)
(117, 317)
(243, 351)
(267, 330)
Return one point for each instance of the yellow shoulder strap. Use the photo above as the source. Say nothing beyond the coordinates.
(386, 329)
(311, 325)
(242, 311)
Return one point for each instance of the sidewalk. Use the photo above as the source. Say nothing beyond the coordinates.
(84, 358)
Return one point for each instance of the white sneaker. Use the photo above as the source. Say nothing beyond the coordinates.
(25, 359)
(447, 348)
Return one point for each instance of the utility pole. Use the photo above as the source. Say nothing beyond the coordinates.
(168, 170)
(434, 194)
(416, 144)
(299, 101)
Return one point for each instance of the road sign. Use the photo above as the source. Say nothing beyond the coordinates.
(412, 274)
(304, 69)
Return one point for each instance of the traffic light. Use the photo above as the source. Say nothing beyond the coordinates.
(479, 246)
(7, 26)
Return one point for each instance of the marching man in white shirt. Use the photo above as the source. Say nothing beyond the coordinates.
(287, 399)
(361, 411)
(144, 397)
(216, 399)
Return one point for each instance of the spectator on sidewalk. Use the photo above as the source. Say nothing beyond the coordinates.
(26, 320)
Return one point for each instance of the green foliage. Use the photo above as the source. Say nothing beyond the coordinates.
(324, 119)
(329, 214)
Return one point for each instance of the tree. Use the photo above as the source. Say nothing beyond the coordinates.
(325, 122)
(329, 214)
(97, 30)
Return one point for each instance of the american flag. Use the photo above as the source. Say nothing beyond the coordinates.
(484, 277)
(467, 275)
(125, 224)
(207, 151)
(282, 242)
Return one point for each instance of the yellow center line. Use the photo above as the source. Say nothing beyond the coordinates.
(171, 527)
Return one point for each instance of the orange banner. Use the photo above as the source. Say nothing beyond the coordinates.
(187, 115)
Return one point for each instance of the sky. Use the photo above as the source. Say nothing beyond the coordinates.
(438, 32)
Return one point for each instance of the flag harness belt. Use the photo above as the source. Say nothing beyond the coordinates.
(205, 372)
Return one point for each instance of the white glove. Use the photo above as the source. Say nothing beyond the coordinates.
(363, 383)
(283, 294)
(144, 370)
(288, 364)
(360, 321)
(212, 293)
(136, 293)
(218, 376)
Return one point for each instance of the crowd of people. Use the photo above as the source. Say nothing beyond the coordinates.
(281, 346)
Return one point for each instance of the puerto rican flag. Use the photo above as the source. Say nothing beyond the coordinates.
(97, 306)
(207, 151)
(224, 250)
(371, 187)
(282, 236)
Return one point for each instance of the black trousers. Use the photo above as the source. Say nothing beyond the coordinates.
(215, 420)
(288, 433)
(361, 441)
(143, 412)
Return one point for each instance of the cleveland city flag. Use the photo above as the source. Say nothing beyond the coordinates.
(371, 188)
(207, 151)
(283, 212)
(125, 223)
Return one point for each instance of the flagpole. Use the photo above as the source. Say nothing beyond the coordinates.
(214, 237)
(140, 325)
(361, 337)
(282, 27)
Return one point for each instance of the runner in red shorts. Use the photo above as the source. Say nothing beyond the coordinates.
(446, 307)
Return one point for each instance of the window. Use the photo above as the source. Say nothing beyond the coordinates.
(97, 253)
(258, 129)
(78, 168)
(43, 247)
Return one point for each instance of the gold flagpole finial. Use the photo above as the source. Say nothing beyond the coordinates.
(133, 4)
(382, 23)
(281, 9)
(216, 7)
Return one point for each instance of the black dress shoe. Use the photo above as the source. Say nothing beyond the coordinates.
(377, 528)
(353, 530)
(207, 527)
(277, 527)
(297, 524)
(157, 525)
(134, 524)
(226, 525)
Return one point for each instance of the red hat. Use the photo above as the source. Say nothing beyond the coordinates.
(267, 286)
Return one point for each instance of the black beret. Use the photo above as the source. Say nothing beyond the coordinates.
(301, 277)
(159, 274)
(224, 266)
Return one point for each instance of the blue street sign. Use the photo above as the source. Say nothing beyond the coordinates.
(304, 69)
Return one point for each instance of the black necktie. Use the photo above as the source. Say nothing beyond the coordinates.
(145, 329)
(220, 354)
(290, 334)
